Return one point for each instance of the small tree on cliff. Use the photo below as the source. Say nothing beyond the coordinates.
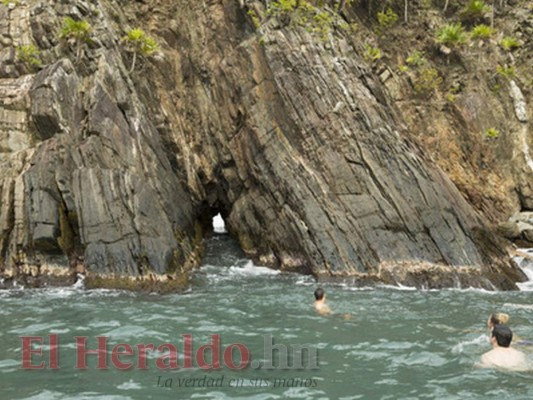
(138, 42)
(77, 32)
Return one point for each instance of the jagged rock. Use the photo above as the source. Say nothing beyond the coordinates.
(510, 230)
(55, 100)
(304, 155)
(522, 225)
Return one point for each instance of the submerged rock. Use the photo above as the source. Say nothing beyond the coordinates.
(295, 142)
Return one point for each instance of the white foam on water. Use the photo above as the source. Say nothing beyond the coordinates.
(130, 385)
(45, 395)
(468, 289)
(399, 287)
(302, 392)
(80, 282)
(104, 324)
(358, 288)
(223, 396)
(219, 225)
(482, 340)
(526, 265)
(250, 269)
(9, 365)
(53, 395)
(35, 329)
(305, 280)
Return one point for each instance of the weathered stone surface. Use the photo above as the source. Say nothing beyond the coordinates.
(295, 142)
(14, 104)
(520, 105)
(97, 187)
(55, 100)
(520, 226)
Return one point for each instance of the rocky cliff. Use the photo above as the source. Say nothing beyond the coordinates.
(289, 132)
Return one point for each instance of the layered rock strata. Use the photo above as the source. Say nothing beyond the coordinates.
(291, 138)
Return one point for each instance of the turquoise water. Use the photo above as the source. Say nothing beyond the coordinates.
(398, 344)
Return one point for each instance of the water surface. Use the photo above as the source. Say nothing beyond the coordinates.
(398, 344)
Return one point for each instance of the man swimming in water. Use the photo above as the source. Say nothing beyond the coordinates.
(502, 355)
(320, 302)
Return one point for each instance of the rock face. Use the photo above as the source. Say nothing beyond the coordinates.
(293, 139)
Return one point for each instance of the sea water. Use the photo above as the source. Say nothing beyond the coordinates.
(381, 343)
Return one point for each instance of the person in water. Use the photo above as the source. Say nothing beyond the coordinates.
(502, 354)
(497, 319)
(503, 319)
(320, 302)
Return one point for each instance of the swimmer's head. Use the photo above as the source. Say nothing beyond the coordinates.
(497, 319)
(503, 335)
(319, 294)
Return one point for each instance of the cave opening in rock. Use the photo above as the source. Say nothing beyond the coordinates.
(221, 249)
(212, 220)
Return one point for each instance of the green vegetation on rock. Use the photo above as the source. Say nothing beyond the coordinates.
(474, 9)
(139, 43)
(371, 53)
(509, 43)
(255, 18)
(416, 59)
(506, 72)
(482, 31)
(386, 20)
(8, 2)
(452, 35)
(77, 32)
(427, 80)
(312, 15)
(492, 133)
(29, 55)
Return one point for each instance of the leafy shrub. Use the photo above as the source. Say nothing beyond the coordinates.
(475, 9)
(403, 68)
(371, 53)
(78, 32)
(506, 72)
(138, 42)
(7, 2)
(304, 13)
(492, 133)
(283, 6)
(386, 20)
(452, 34)
(509, 43)
(482, 31)
(416, 59)
(255, 18)
(427, 80)
(29, 55)
(450, 97)
(322, 22)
